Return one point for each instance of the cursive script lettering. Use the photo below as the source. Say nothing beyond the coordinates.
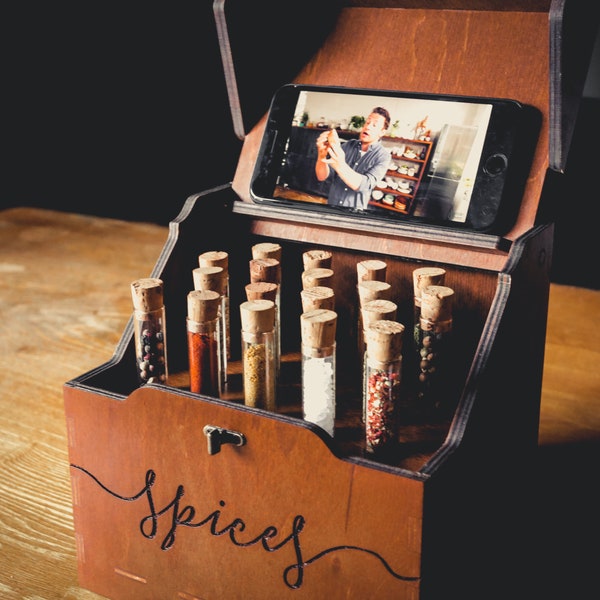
(185, 516)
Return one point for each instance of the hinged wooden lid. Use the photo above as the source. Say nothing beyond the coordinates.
(533, 51)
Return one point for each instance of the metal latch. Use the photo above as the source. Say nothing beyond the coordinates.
(217, 436)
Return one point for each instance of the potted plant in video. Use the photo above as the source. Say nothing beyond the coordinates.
(356, 122)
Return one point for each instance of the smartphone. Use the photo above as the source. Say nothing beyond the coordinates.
(441, 160)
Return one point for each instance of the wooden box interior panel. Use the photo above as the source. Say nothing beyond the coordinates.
(479, 294)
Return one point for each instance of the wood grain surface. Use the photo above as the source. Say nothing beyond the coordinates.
(64, 302)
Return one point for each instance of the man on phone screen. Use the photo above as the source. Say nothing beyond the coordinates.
(355, 166)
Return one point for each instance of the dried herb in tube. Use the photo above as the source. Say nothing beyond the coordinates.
(434, 341)
(258, 353)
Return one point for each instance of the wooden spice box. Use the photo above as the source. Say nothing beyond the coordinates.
(293, 513)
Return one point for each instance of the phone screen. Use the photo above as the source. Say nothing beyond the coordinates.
(441, 160)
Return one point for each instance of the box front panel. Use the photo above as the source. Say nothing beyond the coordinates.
(158, 516)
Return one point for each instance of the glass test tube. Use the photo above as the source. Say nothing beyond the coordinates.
(268, 251)
(371, 311)
(258, 353)
(213, 279)
(318, 328)
(422, 278)
(383, 370)
(204, 339)
(433, 341)
(366, 270)
(268, 270)
(150, 330)
(220, 258)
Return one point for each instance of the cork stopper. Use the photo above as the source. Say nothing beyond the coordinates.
(319, 296)
(371, 269)
(312, 259)
(317, 276)
(258, 316)
(424, 277)
(265, 269)
(372, 289)
(261, 290)
(384, 340)
(147, 294)
(436, 303)
(378, 310)
(318, 328)
(214, 258)
(203, 305)
(267, 250)
(210, 278)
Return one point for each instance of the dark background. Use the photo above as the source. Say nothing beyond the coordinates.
(123, 112)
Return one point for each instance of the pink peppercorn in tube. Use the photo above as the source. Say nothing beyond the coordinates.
(383, 374)
(150, 330)
(371, 311)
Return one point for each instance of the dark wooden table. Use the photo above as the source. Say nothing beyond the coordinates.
(64, 302)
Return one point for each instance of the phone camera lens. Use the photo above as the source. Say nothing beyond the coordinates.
(495, 164)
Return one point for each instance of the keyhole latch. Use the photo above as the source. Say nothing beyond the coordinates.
(217, 436)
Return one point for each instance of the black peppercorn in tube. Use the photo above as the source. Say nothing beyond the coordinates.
(433, 342)
(424, 277)
(150, 330)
